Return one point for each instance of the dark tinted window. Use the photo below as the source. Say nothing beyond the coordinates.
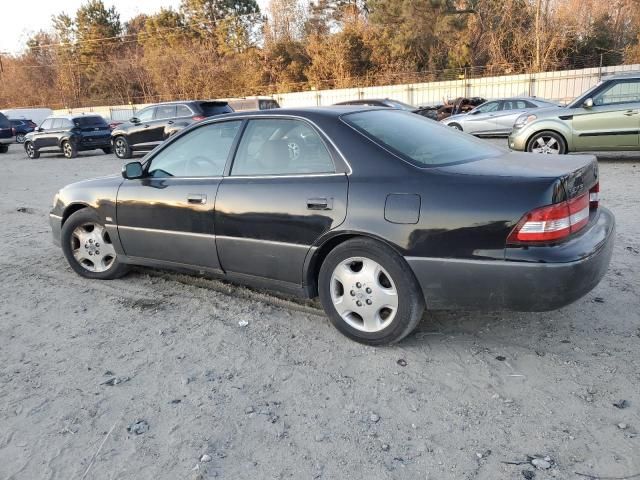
(421, 141)
(281, 147)
(202, 152)
(165, 111)
(90, 121)
(4, 122)
(210, 109)
(268, 104)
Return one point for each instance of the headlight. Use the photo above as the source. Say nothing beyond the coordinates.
(522, 120)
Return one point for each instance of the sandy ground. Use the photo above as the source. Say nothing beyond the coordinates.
(287, 396)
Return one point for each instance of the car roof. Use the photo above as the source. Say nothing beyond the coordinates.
(333, 111)
(74, 116)
(623, 75)
(182, 102)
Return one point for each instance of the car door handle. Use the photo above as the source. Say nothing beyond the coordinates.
(320, 204)
(146, 126)
(170, 122)
(200, 198)
(628, 113)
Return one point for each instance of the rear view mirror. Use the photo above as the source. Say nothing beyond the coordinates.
(132, 170)
(134, 120)
(588, 103)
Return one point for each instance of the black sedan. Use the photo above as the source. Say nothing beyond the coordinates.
(379, 212)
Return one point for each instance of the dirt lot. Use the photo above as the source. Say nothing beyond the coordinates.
(286, 396)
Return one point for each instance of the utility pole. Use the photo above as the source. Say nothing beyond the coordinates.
(538, 5)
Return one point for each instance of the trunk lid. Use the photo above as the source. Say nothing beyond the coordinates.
(576, 174)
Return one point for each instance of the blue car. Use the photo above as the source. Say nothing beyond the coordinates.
(6, 134)
(22, 127)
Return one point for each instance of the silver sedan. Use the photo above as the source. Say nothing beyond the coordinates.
(496, 117)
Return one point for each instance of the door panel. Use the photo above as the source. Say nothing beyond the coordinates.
(482, 118)
(266, 226)
(157, 220)
(606, 127)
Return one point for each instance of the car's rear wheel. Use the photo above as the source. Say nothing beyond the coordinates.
(121, 148)
(369, 293)
(31, 150)
(69, 150)
(88, 248)
(547, 142)
(20, 138)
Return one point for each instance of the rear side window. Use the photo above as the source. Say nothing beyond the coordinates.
(90, 121)
(417, 139)
(183, 111)
(4, 122)
(281, 147)
(209, 109)
(165, 111)
(268, 104)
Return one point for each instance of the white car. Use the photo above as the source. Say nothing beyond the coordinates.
(496, 117)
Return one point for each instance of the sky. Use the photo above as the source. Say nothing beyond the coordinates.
(20, 19)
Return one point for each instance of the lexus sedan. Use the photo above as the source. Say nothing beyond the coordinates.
(381, 213)
(604, 118)
(495, 118)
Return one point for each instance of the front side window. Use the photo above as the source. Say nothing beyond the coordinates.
(165, 111)
(619, 92)
(146, 115)
(281, 147)
(488, 107)
(417, 139)
(46, 125)
(183, 111)
(202, 152)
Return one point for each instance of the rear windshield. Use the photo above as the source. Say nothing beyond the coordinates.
(90, 121)
(210, 109)
(4, 122)
(419, 140)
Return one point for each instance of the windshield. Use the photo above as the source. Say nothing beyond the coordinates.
(400, 105)
(419, 140)
(578, 101)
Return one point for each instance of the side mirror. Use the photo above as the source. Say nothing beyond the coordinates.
(134, 120)
(132, 170)
(588, 103)
(38, 129)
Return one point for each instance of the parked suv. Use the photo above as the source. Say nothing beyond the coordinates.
(69, 134)
(606, 117)
(154, 124)
(6, 134)
(22, 127)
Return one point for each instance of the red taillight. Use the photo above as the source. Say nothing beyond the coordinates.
(552, 222)
(594, 195)
(197, 118)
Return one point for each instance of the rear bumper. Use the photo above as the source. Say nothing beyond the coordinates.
(7, 141)
(518, 285)
(56, 228)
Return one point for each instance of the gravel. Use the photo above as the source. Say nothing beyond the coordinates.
(60, 331)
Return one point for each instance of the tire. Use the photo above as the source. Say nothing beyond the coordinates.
(20, 138)
(69, 150)
(121, 148)
(31, 150)
(107, 150)
(547, 142)
(380, 299)
(4, 148)
(96, 258)
(457, 126)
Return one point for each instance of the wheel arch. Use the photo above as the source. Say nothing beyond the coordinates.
(316, 258)
(73, 208)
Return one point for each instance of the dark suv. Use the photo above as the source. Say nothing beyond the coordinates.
(22, 127)
(153, 124)
(6, 134)
(69, 134)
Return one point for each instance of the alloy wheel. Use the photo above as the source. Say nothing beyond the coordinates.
(121, 147)
(67, 149)
(364, 294)
(546, 144)
(20, 138)
(30, 150)
(92, 247)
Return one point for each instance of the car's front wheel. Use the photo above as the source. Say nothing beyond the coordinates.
(369, 293)
(547, 142)
(121, 148)
(31, 150)
(88, 248)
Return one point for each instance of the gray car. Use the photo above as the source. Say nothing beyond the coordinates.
(496, 117)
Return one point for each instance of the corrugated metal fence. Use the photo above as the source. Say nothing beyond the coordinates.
(558, 86)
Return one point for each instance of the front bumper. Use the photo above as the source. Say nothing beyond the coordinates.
(526, 286)
(56, 228)
(517, 140)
